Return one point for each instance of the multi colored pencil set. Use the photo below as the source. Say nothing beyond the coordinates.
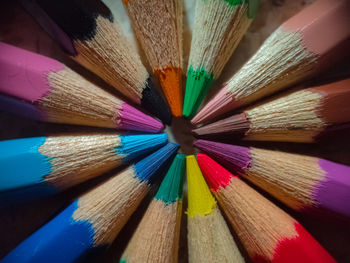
(227, 219)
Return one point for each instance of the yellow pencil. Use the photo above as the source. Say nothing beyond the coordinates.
(209, 239)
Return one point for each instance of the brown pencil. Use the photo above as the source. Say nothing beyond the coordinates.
(302, 116)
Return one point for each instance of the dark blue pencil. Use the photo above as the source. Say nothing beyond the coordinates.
(91, 223)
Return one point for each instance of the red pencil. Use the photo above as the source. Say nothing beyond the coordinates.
(267, 232)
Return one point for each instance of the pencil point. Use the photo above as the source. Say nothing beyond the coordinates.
(154, 103)
(147, 168)
(200, 200)
(237, 125)
(197, 85)
(216, 175)
(170, 189)
(134, 146)
(235, 157)
(133, 119)
(223, 102)
(171, 81)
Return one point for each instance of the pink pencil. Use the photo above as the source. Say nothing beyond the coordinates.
(306, 44)
(42, 88)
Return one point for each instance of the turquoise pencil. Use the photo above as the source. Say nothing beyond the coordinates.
(157, 237)
(35, 167)
(90, 224)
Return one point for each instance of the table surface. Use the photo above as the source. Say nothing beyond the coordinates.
(19, 28)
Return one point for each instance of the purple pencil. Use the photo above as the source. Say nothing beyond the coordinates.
(301, 182)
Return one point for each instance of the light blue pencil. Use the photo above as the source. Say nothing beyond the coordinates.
(39, 166)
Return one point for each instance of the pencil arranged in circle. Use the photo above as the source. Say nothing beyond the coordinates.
(302, 182)
(90, 224)
(156, 238)
(158, 27)
(267, 232)
(88, 33)
(219, 26)
(40, 166)
(302, 116)
(306, 44)
(209, 238)
(44, 89)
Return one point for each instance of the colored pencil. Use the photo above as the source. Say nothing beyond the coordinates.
(218, 28)
(308, 43)
(89, 225)
(156, 238)
(302, 116)
(46, 90)
(88, 33)
(39, 166)
(209, 238)
(158, 27)
(267, 232)
(302, 182)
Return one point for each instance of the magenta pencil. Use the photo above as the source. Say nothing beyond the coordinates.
(44, 89)
(304, 183)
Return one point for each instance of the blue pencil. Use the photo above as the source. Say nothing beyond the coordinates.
(88, 225)
(40, 166)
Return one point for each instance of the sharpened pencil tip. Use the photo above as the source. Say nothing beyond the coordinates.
(223, 102)
(133, 119)
(200, 200)
(147, 168)
(170, 189)
(215, 175)
(197, 85)
(154, 103)
(171, 81)
(237, 158)
(237, 124)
